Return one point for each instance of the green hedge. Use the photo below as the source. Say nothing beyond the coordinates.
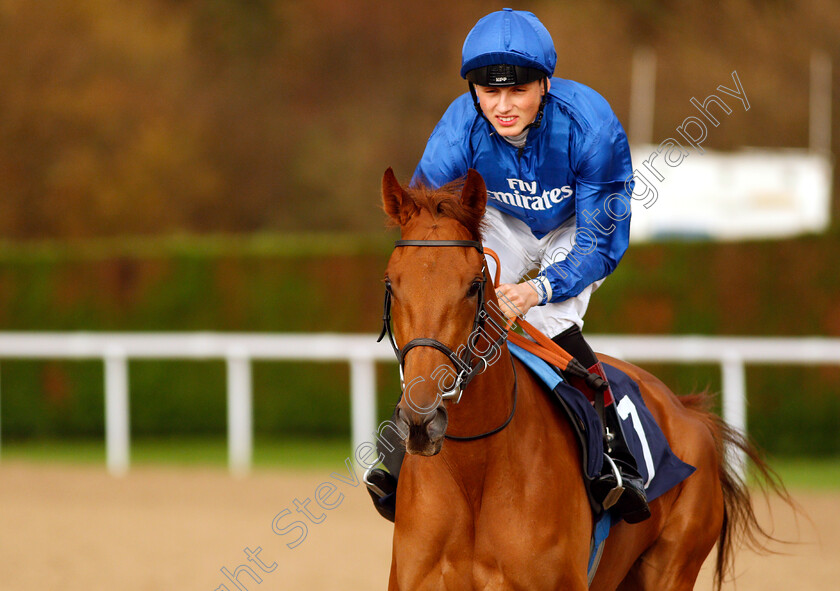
(318, 284)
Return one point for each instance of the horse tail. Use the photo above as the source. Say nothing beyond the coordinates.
(740, 524)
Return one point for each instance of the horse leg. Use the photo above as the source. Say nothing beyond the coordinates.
(690, 531)
(432, 547)
(670, 565)
(666, 552)
(392, 578)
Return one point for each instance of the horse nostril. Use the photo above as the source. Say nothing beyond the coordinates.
(401, 422)
(436, 426)
(442, 414)
(434, 415)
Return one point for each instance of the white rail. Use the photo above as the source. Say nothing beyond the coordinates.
(362, 352)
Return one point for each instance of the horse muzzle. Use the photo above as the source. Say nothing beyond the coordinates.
(425, 430)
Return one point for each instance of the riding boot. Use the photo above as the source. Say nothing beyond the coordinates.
(382, 488)
(627, 497)
(382, 484)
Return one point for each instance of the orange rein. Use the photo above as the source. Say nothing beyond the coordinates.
(544, 347)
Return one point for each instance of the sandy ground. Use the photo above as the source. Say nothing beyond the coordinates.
(74, 527)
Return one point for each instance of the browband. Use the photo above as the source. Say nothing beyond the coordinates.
(470, 243)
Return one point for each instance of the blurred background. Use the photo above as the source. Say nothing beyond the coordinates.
(186, 165)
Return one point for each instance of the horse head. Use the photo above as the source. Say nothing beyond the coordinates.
(435, 282)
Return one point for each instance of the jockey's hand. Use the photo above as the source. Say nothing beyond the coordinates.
(515, 299)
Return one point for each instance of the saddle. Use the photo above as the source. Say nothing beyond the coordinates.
(659, 467)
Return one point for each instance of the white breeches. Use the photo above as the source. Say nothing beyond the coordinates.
(521, 252)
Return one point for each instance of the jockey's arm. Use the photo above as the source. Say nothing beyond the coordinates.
(603, 189)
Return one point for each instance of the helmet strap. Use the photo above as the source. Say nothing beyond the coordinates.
(476, 104)
(536, 122)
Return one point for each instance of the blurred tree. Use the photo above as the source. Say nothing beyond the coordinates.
(173, 116)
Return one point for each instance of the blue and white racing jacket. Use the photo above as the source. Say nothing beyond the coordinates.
(576, 163)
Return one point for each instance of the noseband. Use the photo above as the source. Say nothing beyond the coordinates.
(462, 359)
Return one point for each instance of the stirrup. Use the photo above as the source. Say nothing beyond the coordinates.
(372, 486)
(615, 493)
(383, 501)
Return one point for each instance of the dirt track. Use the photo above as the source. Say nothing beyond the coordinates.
(75, 528)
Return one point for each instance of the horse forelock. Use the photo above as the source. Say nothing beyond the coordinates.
(445, 204)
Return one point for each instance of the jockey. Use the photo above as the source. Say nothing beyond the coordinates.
(556, 163)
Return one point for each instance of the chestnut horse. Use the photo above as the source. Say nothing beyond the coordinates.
(505, 506)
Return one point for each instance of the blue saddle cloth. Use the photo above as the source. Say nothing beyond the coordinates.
(660, 469)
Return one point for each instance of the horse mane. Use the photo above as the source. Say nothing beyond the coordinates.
(445, 203)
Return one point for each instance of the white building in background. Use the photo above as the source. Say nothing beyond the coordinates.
(749, 194)
(686, 191)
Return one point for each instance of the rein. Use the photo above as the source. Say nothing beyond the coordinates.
(542, 346)
(503, 425)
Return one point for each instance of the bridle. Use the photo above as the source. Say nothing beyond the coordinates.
(462, 359)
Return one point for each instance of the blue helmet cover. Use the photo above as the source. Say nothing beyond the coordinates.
(514, 37)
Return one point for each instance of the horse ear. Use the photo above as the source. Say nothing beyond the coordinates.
(394, 198)
(474, 193)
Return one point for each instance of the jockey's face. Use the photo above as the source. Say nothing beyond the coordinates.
(510, 108)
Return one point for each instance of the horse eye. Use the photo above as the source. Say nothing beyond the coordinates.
(388, 286)
(473, 290)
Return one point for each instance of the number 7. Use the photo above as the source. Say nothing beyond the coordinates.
(626, 408)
